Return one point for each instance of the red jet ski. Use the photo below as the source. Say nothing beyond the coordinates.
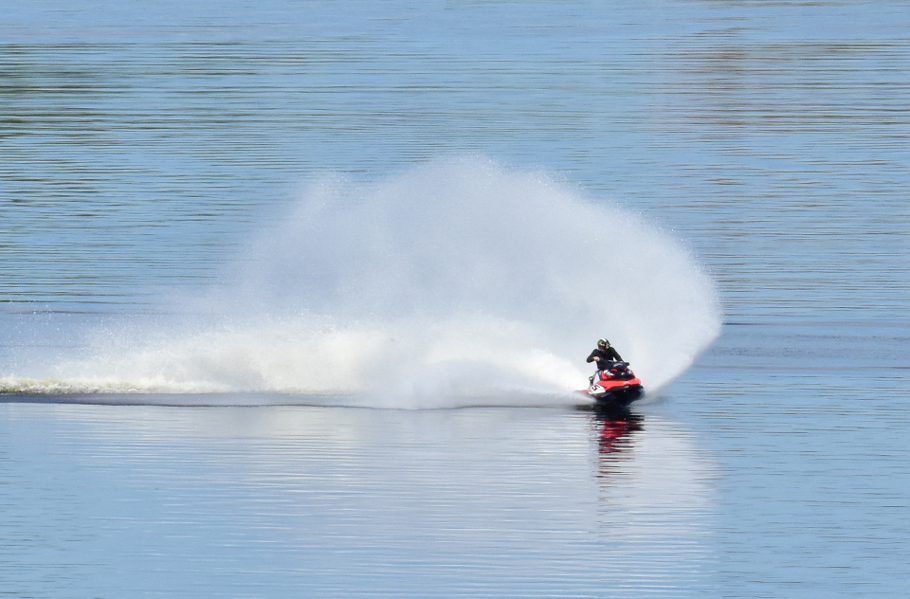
(615, 385)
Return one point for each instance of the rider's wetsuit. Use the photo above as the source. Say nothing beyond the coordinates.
(605, 355)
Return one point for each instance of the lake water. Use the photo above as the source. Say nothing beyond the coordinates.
(292, 298)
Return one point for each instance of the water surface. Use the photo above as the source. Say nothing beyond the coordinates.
(142, 150)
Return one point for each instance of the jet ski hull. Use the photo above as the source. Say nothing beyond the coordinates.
(623, 395)
(618, 386)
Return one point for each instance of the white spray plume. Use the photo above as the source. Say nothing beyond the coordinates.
(458, 282)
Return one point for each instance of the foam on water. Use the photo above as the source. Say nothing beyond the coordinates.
(459, 282)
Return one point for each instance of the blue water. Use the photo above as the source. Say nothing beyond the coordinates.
(219, 222)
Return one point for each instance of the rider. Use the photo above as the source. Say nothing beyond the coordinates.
(604, 355)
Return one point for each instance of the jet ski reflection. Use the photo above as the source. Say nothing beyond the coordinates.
(614, 424)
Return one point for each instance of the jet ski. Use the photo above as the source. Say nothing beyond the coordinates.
(616, 385)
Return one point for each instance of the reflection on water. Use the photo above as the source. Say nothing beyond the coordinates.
(615, 427)
(284, 501)
(656, 503)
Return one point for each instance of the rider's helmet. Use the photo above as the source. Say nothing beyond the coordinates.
(603, 343)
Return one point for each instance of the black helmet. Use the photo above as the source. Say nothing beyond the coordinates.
(603, 343)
